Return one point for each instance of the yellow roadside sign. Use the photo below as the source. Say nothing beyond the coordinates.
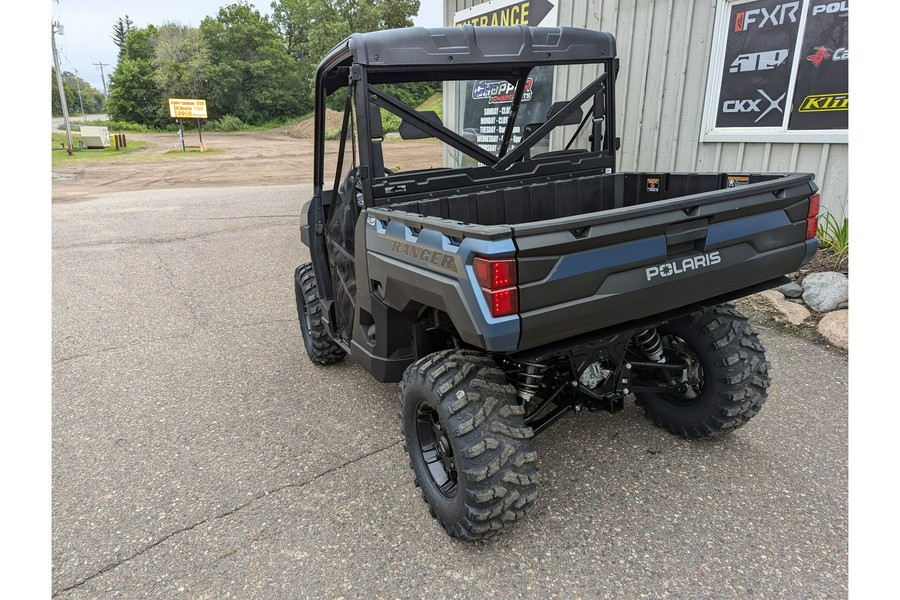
(186, 108)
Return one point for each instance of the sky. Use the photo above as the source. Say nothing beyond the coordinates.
(87, 26)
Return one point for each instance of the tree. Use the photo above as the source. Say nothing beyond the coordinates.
(330, 21)
(180, 61)
(291, 20)
(91, 99)
(134, 95)
(250, 74)
(310, 28)
(121, 28)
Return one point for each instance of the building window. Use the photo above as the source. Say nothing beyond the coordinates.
(778, 72)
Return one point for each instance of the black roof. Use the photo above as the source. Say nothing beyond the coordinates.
(463, 52)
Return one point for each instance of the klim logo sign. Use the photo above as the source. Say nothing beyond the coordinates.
(825, 103)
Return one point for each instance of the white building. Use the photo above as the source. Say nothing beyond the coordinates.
(712, 85)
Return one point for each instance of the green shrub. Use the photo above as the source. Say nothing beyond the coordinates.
(389, 121)
(226, 123)
(834, 237)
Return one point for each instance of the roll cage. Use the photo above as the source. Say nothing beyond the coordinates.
(362, 63)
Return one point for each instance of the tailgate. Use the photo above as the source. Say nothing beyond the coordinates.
(584, 273)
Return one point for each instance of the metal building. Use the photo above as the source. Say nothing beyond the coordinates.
(668, 94)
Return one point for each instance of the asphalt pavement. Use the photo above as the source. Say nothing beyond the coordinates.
(197, 453)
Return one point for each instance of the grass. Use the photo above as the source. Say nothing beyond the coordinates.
(834, 237)
(59, 155)
(435, 102)
(176, 153)
(226, 123)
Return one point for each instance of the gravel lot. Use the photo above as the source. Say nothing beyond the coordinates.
(197, 453)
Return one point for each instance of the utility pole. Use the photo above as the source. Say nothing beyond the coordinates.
(102, 76)
(59, 83)
(80, 100)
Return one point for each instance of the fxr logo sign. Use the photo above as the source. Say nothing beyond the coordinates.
(761, 17)
(746, 106)
(758, 61)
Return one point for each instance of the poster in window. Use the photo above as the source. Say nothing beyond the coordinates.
(487, 105)
(821, 98)
(756, 74)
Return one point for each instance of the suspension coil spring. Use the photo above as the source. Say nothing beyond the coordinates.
(527, 379)
(651, 344)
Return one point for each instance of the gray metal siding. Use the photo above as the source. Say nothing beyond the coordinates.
(664, 50)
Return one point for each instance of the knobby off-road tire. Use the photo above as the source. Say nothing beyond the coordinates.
(468, 444)
(319, 346)
(733, 374)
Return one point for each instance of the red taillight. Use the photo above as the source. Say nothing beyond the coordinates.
(812, 216)
(495, 274)
(497, 278)
(503, 302)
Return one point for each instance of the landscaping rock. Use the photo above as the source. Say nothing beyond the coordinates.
(791, 290)
(825, 291)
(834, 328)
(792, 312)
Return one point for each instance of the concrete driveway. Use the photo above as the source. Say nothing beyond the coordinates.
(197, 453)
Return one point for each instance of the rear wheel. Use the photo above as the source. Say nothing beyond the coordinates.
(726, 381)
(468, 444)
(319, 346)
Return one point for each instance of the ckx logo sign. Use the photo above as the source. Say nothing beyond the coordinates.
(763, 17)
(752, 105)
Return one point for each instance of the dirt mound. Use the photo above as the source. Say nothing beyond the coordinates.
(305, 129)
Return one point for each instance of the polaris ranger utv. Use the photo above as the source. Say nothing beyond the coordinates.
(528, 280)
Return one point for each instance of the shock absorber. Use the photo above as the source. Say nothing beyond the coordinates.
(651, 344)
(527, 379)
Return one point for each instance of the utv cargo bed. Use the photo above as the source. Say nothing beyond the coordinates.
(602, 250)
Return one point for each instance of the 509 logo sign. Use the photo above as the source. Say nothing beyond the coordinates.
(499, 92)
(758, 61)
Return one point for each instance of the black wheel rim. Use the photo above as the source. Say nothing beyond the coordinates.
(690, 381)
(305, 323)
(436, 450)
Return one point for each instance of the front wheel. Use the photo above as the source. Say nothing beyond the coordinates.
(468, 444)
(726, 380)
(319, 346)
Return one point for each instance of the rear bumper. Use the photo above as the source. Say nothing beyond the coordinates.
(629, 296)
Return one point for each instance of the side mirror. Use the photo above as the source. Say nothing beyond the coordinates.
(411, 132)
(574, 117)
